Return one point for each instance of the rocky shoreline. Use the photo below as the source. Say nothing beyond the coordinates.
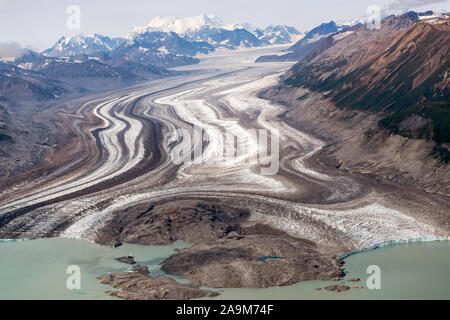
(226, 251)
(140, 285)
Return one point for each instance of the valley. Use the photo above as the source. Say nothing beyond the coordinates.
(357, 158)
(123, 187)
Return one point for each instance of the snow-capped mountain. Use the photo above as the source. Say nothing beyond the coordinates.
(168, 42)
(306, 44)
(325, 35)
(183, 27)
(351, 22)
(211, 29)
(433, 16)
(83, 44)
(19, 84)
(163, 49)
(278, 34)
(223, 38)
(30, 60)
(322, 31)
(204, 28)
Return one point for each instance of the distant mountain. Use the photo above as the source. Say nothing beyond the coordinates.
(137, 68)
(81, 44)
(204, 28)
(4, 113)
(306, 44)
(83, 66)
(171, 42)
(400, 71)
(277, 34)
(432, 15)
(322, 31)
(71, 74)
(156, 48)
(162, 49)
(31, 60)
(83, 69)
(25, 85)
(210, 29)
(229, 39)
(185, 26)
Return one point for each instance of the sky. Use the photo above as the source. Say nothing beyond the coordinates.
(38, 24)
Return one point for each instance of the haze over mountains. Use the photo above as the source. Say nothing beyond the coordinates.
(86, 62)
(169, 36)
(301, 48)
(82, 64)
(356, 68)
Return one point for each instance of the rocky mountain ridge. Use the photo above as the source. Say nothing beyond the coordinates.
(380, 97)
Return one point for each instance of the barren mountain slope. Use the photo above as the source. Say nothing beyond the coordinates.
(381, 98)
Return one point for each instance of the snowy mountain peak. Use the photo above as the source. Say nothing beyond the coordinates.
(352, 22)
(80, 38)
(431, 15)
(83, 44)
(172, 36)
(181, 26)
(245, 25)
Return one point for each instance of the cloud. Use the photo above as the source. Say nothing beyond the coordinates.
(409, 4)
(11, 50)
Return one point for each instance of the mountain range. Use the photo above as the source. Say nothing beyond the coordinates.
(174, 42)
(211, 29)
(401, 68)
(89, 62)
(397, 74)
(81, 64)
(307, 43)
(81, 44)
(382, 97)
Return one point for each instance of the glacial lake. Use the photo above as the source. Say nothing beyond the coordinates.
(37, 270)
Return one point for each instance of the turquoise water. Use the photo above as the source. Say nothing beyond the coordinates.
(408, 271)
(37, 270)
